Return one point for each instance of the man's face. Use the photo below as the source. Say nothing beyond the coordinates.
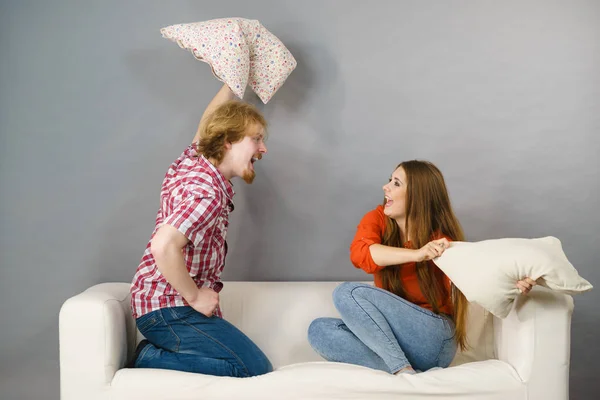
(246, 152)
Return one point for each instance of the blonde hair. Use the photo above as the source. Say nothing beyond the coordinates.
(428, 213)
(228, 123)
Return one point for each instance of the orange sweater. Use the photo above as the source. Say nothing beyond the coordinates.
(370, 231)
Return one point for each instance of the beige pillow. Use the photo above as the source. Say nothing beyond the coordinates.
(487, 271)
(239, 51)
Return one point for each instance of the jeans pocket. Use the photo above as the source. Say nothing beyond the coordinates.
(183, 312)
(156, 327)
(148, 321)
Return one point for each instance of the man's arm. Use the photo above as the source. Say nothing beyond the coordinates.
(166, 248)
(223, 95)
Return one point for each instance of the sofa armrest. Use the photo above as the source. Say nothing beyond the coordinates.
(93, 338)
(535, 338)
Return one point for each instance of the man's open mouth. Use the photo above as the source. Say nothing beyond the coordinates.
(255, 159)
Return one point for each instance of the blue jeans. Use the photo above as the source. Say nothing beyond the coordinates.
(185, 340)
(382, 331)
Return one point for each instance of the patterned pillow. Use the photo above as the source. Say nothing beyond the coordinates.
(239, 51)
(220, 43)
(270, 61)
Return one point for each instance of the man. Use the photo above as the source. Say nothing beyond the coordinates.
(175, 291)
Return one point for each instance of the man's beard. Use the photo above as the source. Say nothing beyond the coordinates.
(248, 176)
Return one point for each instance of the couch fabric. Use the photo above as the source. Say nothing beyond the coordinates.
(524, 356)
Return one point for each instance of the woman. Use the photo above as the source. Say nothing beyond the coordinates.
(414, 317)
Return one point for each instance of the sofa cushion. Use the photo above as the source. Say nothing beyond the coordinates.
(486, 380)
(288, 308)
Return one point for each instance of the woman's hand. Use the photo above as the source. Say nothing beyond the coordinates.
(525, 285)
(432, 250)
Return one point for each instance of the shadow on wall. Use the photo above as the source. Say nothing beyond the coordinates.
(174, 76)
(312, 97)
(124, 236)
(277, 225)
(277, 236)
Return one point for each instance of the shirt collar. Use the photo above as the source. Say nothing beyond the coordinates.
(224, 184)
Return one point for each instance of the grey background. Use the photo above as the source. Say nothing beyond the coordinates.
(94, 105)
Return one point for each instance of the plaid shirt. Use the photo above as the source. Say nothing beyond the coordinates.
(196, 199)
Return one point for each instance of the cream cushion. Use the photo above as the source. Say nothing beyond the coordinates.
(487, 271)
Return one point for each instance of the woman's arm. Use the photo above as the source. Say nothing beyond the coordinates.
(386, 255)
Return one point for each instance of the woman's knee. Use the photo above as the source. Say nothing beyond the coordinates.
(322, 334)
(315, 329)
(322, 330)
(344, 294)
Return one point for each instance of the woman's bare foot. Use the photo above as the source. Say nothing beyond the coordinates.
(406, 370)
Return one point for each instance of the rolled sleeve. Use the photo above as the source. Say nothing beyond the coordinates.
(195, 216)
(369, 231)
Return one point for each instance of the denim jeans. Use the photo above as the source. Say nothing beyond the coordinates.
(382, 331)
(185, 340)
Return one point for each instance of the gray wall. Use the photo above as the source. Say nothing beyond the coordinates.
(94, 105)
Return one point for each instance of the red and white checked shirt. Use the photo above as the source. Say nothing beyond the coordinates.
(196, 199)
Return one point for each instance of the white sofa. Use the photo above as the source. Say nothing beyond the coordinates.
(525, 356)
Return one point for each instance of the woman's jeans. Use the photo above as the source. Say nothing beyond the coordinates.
(382, 331)
(185, 340)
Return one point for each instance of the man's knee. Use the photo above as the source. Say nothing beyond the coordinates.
(261, 366)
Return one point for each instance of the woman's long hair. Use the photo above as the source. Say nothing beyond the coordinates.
(428, 213)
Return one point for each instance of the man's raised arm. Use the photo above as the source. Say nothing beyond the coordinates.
(223, 95)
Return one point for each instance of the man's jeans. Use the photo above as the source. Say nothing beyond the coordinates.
(185, 340)
(382, 331)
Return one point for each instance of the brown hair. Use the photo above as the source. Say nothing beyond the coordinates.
(428, 214)
(227, 124)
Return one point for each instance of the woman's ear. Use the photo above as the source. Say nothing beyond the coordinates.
(227, 145)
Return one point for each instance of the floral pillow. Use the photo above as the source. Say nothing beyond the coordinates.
(270, 61)
(239, 51)
(220, 43)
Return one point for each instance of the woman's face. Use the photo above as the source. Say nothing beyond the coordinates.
(395, 195)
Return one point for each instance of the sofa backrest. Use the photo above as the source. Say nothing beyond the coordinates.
(276, 316)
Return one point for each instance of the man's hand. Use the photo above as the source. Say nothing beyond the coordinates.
(206, 301)
(166, 247)
(431, 250)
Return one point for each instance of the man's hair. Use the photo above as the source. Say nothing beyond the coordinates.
(227, 123)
